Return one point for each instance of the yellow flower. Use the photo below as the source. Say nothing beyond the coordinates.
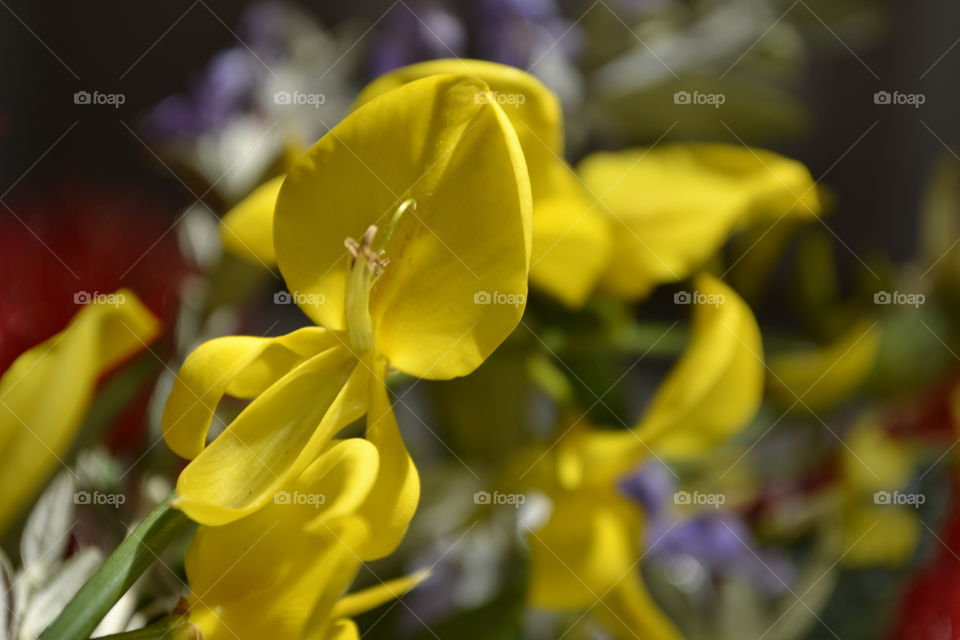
(590, 547)
(570, 238)
(45, 393)
(280, 572)
(391, 232)
(671, 207)
(880, 522)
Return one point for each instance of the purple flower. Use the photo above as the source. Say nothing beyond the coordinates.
(651, 486)
(723, 545)
(519, 32)
(414, 32)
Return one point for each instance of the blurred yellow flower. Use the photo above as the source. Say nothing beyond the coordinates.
(671, 207)
(45, 393)
(590, 547)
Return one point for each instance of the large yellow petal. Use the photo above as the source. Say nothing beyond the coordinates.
(46, 391)
(246, 230)
(717, 386)
(263, 577)
(242, 366)
(273, 439)
(819, 378)
(571, 240)
(671, 207)
(438, 142)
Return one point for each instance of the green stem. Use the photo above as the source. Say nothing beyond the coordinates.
(170, 628)
(118, 573)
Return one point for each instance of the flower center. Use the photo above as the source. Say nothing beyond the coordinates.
(367, 264)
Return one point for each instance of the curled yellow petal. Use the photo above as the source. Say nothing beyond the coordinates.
(671, 207)
(440, 143)
(246, 230)
(273, 439)
(371, 598)
(716, 387)
(47, 390)
(820, 378)
(241, 366)
(628, 611)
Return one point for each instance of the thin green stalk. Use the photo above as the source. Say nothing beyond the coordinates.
(118, 573)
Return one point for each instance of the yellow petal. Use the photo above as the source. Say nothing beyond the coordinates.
(671, 207)
(717, 386)
(45, 393)
(263, 577)
(571, 240)
(371, 598)
(590, 542)
(435, 141)
(823, 377)
(628, 611)
(273, 439)
(880, 535)
(393, 499)
(247, 229)
(242, 366)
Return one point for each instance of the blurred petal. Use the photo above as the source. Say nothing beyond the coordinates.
(820, 378)
(247, 229)
(437, 142)
(671, 207)
(717, 386)
(628, 611)
(590, 541)
(272, 440)
(45, 393)
(571, 240)
(371, 598)
(242, 366)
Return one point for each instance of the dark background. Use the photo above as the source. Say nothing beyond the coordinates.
(49, 50)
